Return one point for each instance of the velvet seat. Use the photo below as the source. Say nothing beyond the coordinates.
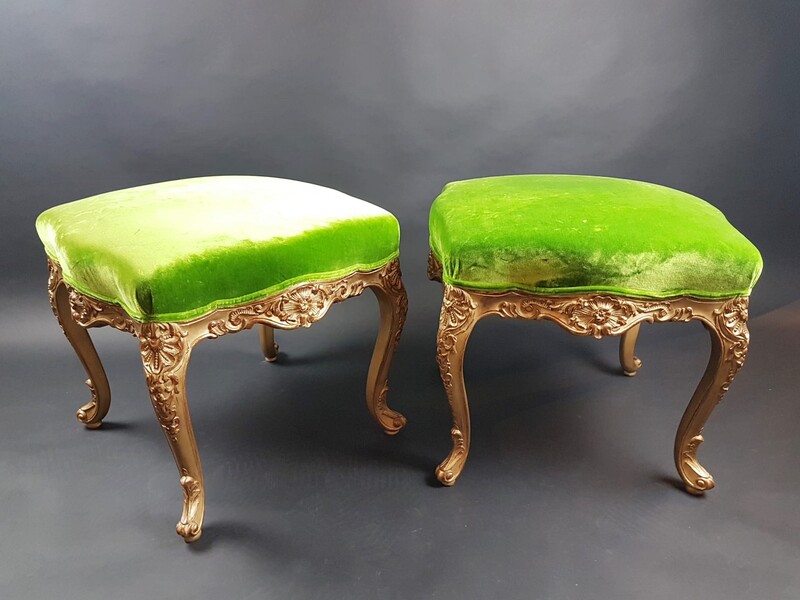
(566, 234)
(598, 256)
(175, 250)
(180, 262)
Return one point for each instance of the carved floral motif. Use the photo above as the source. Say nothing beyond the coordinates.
(594, 314)
(434, 267)
(298, 307)
(163, 355)
(458, 311)
(731, 322)
(305, 304)
(600, 315)
(163, 389)
(162, 345)
(84, 310)
(88, 312)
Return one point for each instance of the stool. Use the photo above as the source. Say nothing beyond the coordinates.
(179, 262)
(599, 256)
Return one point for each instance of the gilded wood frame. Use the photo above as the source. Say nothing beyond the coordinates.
(594, 315)
(166, 347)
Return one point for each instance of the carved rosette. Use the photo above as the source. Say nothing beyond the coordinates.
(163, 354)
(458, 311)
(600, 316)
(161, 346)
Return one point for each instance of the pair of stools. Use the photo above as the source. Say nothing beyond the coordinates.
(179, 262)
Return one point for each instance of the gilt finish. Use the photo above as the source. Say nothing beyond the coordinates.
(166, 347)
(266, 336)
(595, 315)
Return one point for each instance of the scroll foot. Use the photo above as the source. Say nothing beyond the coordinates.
(449, 470)
(696, 479)
(89, 413)
(390, 420)
(190, 527)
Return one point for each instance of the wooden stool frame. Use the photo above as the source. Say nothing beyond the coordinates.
(596, 315)
(166, 347)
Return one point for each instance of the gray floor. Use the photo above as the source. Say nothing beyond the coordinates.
(570, 490)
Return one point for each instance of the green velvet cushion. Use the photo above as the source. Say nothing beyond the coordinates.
(568, 234)
(175, 250)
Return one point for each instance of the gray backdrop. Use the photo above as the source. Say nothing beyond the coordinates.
(388, 101)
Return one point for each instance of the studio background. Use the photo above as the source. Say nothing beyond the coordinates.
(388, 101)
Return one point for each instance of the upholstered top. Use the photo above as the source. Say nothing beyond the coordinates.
(175, 250)
(571, 234)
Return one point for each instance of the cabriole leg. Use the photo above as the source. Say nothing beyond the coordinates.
(729, 341)
(393, 303)
(165, 355)
(92, 413)
(457, 319)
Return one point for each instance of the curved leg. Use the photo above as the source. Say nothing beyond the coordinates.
(393, 302)
(729, 342)
(457, 319)
(627, 347)
(92, 413)
(165, 355)
(268, 346)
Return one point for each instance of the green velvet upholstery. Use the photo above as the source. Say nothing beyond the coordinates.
(572, 234)
(175, 250)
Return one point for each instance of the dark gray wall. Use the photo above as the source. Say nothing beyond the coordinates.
(389, 100)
